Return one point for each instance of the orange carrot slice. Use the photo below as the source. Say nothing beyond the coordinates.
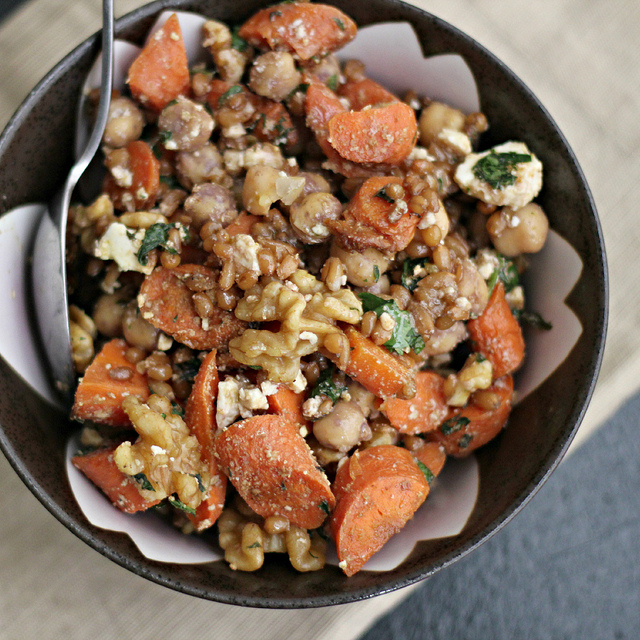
(467, 429)
(160, 73)
(273, 469)
(199, 415)
(242, 224)
(433, 456)
(377, 370)
(365, 93)
(497, 334)
(303, 29)
(287, 403)
(381, 134)
(167, 303)
(425, 412)
(120, 488)
(145, 182)
(100, 391)
(377, 492)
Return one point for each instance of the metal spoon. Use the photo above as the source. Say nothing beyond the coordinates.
(49, 276)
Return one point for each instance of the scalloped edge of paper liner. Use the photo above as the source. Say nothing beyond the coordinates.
(454, 492)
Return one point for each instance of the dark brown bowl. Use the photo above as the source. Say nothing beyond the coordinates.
(35, 154)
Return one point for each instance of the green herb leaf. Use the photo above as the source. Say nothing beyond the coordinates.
(332, 82)
(171, 182)
(178, 504)
(376, 273)
(198, 478)
(413, 271)
(506, 272)
(454, 424)
(324, 505)
(404, 336)
(463, 443)
(189, 369)
(498, 169)
(275, 14)
(177, 410)
(302, 88)
(340, 24)
(156, 235)
(255, 545)
(143, 481)
(165, 136)
(325, 386)
(533, 319)
(231, 91)
(238, 43)
(426, 471)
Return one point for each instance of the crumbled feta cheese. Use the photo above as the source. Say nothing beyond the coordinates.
(311, 408)
(164, 342)
(121, 244)
(245, 252)
(252, 399)
(269, 388)
(457, 141)
(300, 383)
(227, 404)
(234, 131)
(419, 153)
(525, 188)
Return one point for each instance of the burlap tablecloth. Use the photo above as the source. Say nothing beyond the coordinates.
(581, 59)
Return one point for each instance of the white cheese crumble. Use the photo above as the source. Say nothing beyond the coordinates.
(122, 244)
(237, 398)
(457, 141)
(245, 252)
(525, 188)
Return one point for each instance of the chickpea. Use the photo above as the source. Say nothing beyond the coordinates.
(343, 428)
(442, 341)
(125, 123)
(203, 165)
(308, 215)
(472, 286)
(185, 124)
(361, 267)
(524, 230)
(210, 202)
(108, 314)
(324, 70)
(436, 117)
(274, 75)
(363, 398)
(314, 183)
(136, 330)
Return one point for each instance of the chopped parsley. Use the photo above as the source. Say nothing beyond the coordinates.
(324, 506)
(533, 319)
(189, 369)
(376, 273)
(426, 471)
(325, 386)
(171, 182)
(178, 504)
(231, 91)
(143, 481)
(340, 24)
(177, 410)
(413, 271)
(157, 235)
(506, 272)
(498, 169)
(275, 14)
(198, 478)
(238, 43)
(165, 136)
(255, 545)
(302, 87)
(332, 82)
(454, 424)
(404, 336)
(463, 443)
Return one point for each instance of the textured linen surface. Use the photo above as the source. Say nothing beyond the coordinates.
(580, 58)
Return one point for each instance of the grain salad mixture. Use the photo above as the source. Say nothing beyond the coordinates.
(297, 293)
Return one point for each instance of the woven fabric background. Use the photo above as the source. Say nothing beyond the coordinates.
(581, 58)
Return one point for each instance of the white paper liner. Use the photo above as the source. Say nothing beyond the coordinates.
(553, 274)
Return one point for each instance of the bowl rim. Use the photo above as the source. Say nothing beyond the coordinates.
(85, 531)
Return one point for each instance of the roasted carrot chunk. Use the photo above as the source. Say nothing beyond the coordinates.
(303, 29)
(145, 181)
(432, 456)
(287, 403)
(374, 219)
(242, 224)
(466, 429)
(365, 93)
(120, 488)
(166, 302)
(377, 370)
(384, 133)
(199, 416)
(100, 391)
(497, 334)
(377, 491)
(160, 73)
(273, 469)
(425, 412)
